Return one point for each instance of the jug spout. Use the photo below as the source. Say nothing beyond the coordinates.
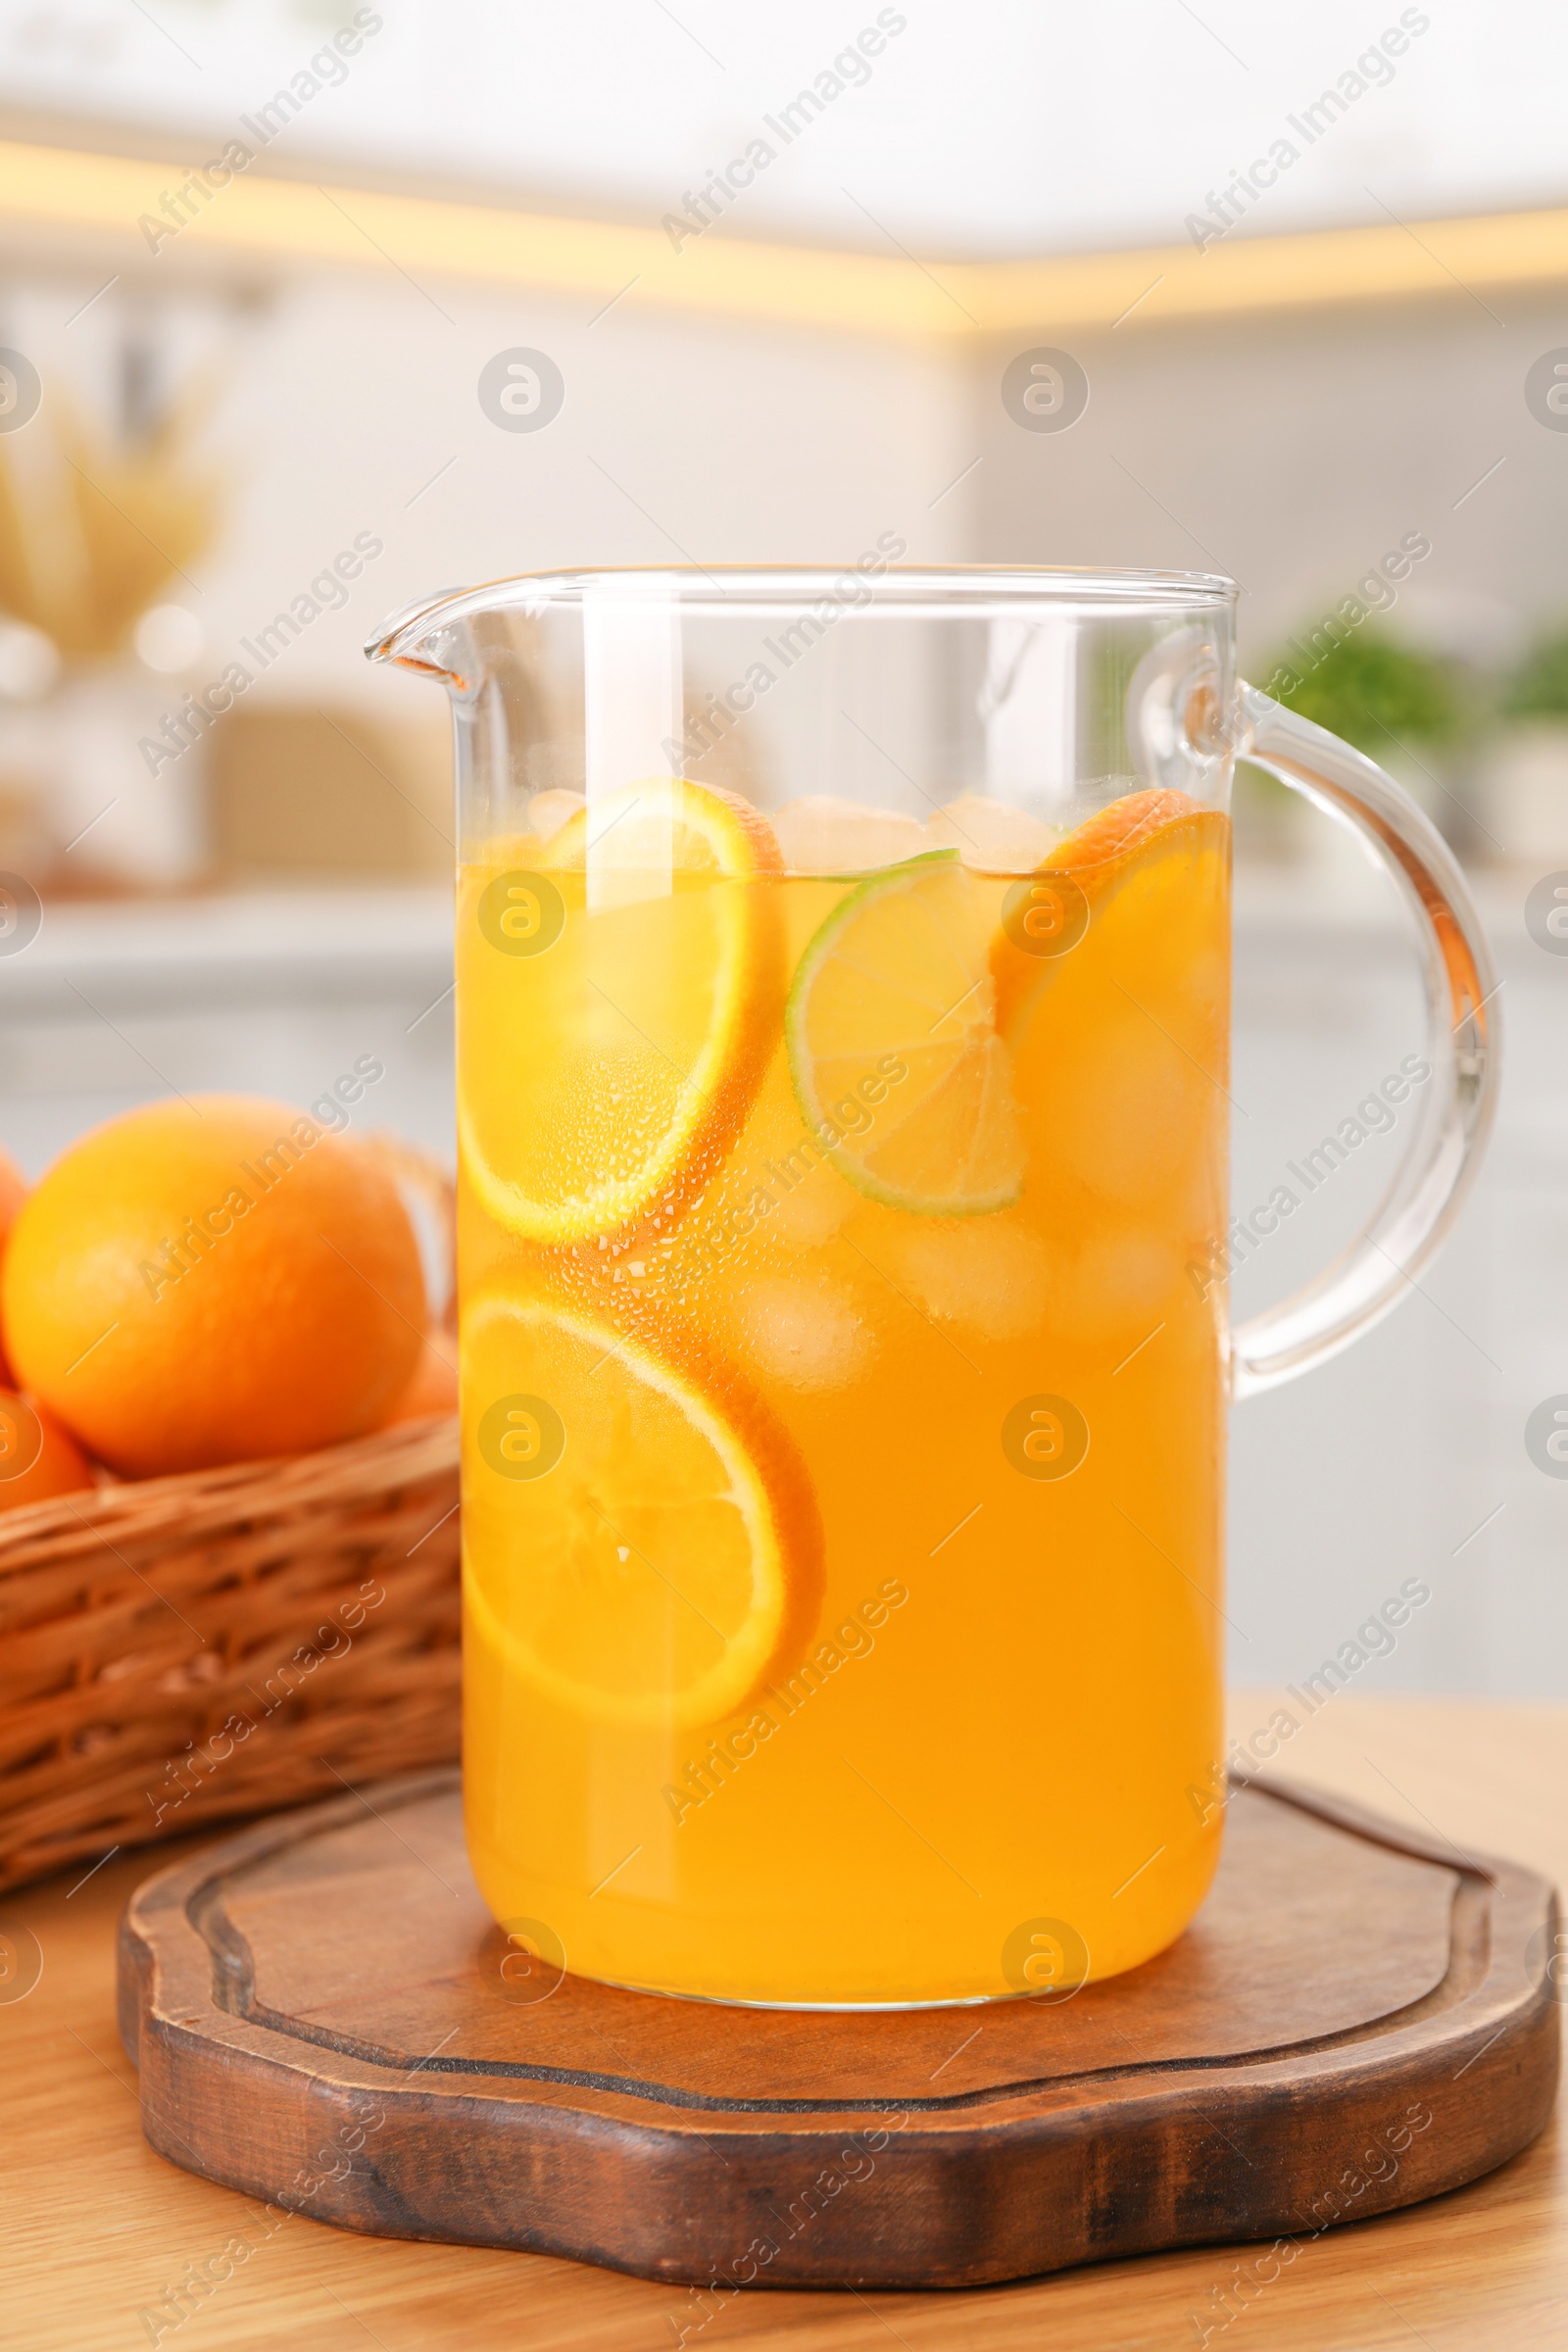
(512, 664)
(430, 636)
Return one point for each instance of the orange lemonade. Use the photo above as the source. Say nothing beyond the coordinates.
(843, 1399)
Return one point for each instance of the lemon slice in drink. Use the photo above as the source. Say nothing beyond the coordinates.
(642, 1542)
(617, 1020)
(893, 1046)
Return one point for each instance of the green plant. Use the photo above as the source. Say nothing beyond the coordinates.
(1373, 691)
(1539, 687)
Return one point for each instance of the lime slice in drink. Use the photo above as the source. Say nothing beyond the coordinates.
(893, 1046)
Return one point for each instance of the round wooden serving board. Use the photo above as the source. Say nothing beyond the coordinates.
(1353, 2022)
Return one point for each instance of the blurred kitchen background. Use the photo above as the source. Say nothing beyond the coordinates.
(257, 255)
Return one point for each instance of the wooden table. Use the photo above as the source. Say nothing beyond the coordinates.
(96, 2227)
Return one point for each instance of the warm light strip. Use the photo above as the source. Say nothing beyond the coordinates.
(264, 218)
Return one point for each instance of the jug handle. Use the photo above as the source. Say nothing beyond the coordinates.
(1382, 1264)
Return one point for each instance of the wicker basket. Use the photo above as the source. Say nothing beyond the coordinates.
(177, 1649)
(183, 1649)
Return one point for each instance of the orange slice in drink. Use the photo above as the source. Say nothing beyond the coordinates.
(621, 992)
(892, 1011)
(664, 824)
(1045, 913)
(643, 1541)
(1115, 832)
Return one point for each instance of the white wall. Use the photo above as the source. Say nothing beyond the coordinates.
(1291, 450)
(681, 438)
(349, 411)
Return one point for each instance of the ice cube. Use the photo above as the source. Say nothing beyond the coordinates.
(819, 834)
(993, 1279)
(806, 1335)
(1121, 1280)
(992, 835)
(548, 811)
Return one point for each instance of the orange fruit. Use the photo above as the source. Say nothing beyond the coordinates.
(12, 1192)
(433, 1388)
(38, 1459)
(214, 1281)
(642, 1541)
(606, 1070)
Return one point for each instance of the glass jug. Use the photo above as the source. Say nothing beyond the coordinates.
(843, 1016)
